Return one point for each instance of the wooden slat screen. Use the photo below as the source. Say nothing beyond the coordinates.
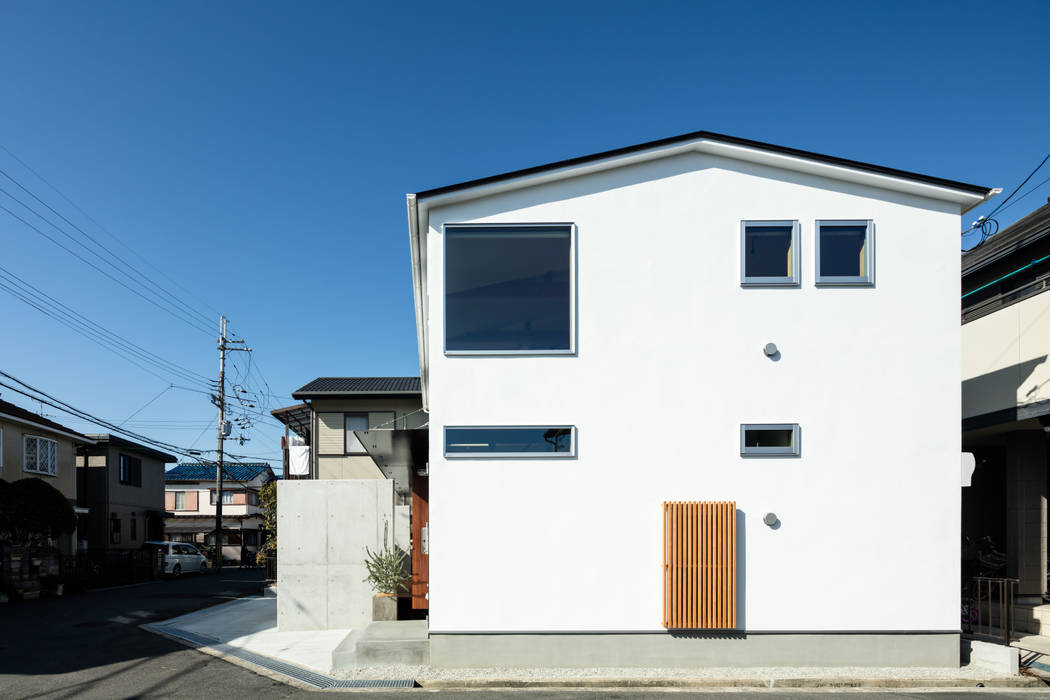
(700, 564)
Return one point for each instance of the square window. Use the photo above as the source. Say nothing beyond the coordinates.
(769, 439)
(531, 441)
(769, 253)
(180, 500)
(845, 252)
(509, 289)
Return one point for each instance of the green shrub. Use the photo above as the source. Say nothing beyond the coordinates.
(386, 570)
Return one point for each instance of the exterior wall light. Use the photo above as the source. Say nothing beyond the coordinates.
(770, 519)
(770, 349)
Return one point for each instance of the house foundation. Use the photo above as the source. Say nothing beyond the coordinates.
(691, 650)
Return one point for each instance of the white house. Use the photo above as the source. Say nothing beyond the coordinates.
(701, 319)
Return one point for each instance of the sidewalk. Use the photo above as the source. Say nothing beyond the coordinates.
(245, 632)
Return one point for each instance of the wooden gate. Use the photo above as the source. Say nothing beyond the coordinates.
(699, 564)
(420, 561)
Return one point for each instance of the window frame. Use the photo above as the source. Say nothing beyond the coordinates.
(571, 454)
(26, 437)
(132, 474)
(865, 280)
(346, 450)
(226, 493)
(571, 351)
(177, 494)
(795, 450)
(795, 280)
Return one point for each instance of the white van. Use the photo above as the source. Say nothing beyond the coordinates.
(180, 558)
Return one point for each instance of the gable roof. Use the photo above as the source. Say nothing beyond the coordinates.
(964, 195)
(131, 446)
(709, 136)
(21, 415)
(358, 387)
(206, 472)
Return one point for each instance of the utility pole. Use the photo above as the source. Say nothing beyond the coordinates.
(223, 348)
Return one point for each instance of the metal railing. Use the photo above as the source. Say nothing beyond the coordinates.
(992, 603)
(271, 567)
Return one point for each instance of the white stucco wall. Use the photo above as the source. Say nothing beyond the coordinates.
(669, 364)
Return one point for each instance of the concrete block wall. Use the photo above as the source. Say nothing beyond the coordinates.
(323, 528)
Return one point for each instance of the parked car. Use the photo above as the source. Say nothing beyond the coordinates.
(180, 558)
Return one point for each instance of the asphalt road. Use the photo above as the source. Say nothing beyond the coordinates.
(90, 646)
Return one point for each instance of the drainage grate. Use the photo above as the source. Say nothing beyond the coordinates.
(318, 680)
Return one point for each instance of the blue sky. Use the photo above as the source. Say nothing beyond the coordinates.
(259, 153)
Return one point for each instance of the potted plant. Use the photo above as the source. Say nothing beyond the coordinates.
(387, 575)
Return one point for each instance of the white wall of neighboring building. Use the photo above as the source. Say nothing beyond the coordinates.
(669, 364)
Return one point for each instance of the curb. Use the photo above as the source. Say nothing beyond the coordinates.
(686, 683)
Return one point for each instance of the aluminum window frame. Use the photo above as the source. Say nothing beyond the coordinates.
(795, 280)
(865, 280)
(794, 450)
(570, 352)
(571, 454)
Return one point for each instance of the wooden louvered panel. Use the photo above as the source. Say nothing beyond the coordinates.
(700, 565)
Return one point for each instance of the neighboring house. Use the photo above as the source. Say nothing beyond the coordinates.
(34, 446)
(121, 484)
(690, 403)
(360, 432)
(1006, 397)
(189, 498)
(339, 406)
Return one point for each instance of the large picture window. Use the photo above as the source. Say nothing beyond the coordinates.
(845, 253)
(509, 289)
(530, 441)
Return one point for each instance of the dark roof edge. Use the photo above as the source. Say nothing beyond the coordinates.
(736, 141)
(1016, 236)
(131, 445)
(300, 395)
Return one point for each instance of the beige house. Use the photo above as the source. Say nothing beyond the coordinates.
(33, 446)
(121, 485)
(336, 407)
(1006, 404)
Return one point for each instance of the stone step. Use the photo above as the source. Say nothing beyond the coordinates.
(1032, 619)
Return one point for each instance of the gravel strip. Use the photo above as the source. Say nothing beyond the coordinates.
(425, 673)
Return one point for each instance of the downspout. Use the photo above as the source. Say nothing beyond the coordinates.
(418, 293)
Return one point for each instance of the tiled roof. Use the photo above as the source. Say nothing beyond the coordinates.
(22, 414)
(351, 386)
(206, 472)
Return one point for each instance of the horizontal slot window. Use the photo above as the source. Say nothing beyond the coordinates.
(769, 439)
(508, 289)
(769, 253)
(532, 441)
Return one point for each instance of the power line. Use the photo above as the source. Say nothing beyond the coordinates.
(162, 392)
(104, 272)
(52, 307)
(101, 227)
(984, 223)
(1025, 194)
(91, 238)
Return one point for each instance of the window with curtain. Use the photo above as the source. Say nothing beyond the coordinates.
(508, 288)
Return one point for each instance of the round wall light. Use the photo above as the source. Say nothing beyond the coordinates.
(770, 349)
(770, 519)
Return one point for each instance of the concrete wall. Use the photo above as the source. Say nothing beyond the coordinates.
(669, 363)
(1004, 357)
(323, 528)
